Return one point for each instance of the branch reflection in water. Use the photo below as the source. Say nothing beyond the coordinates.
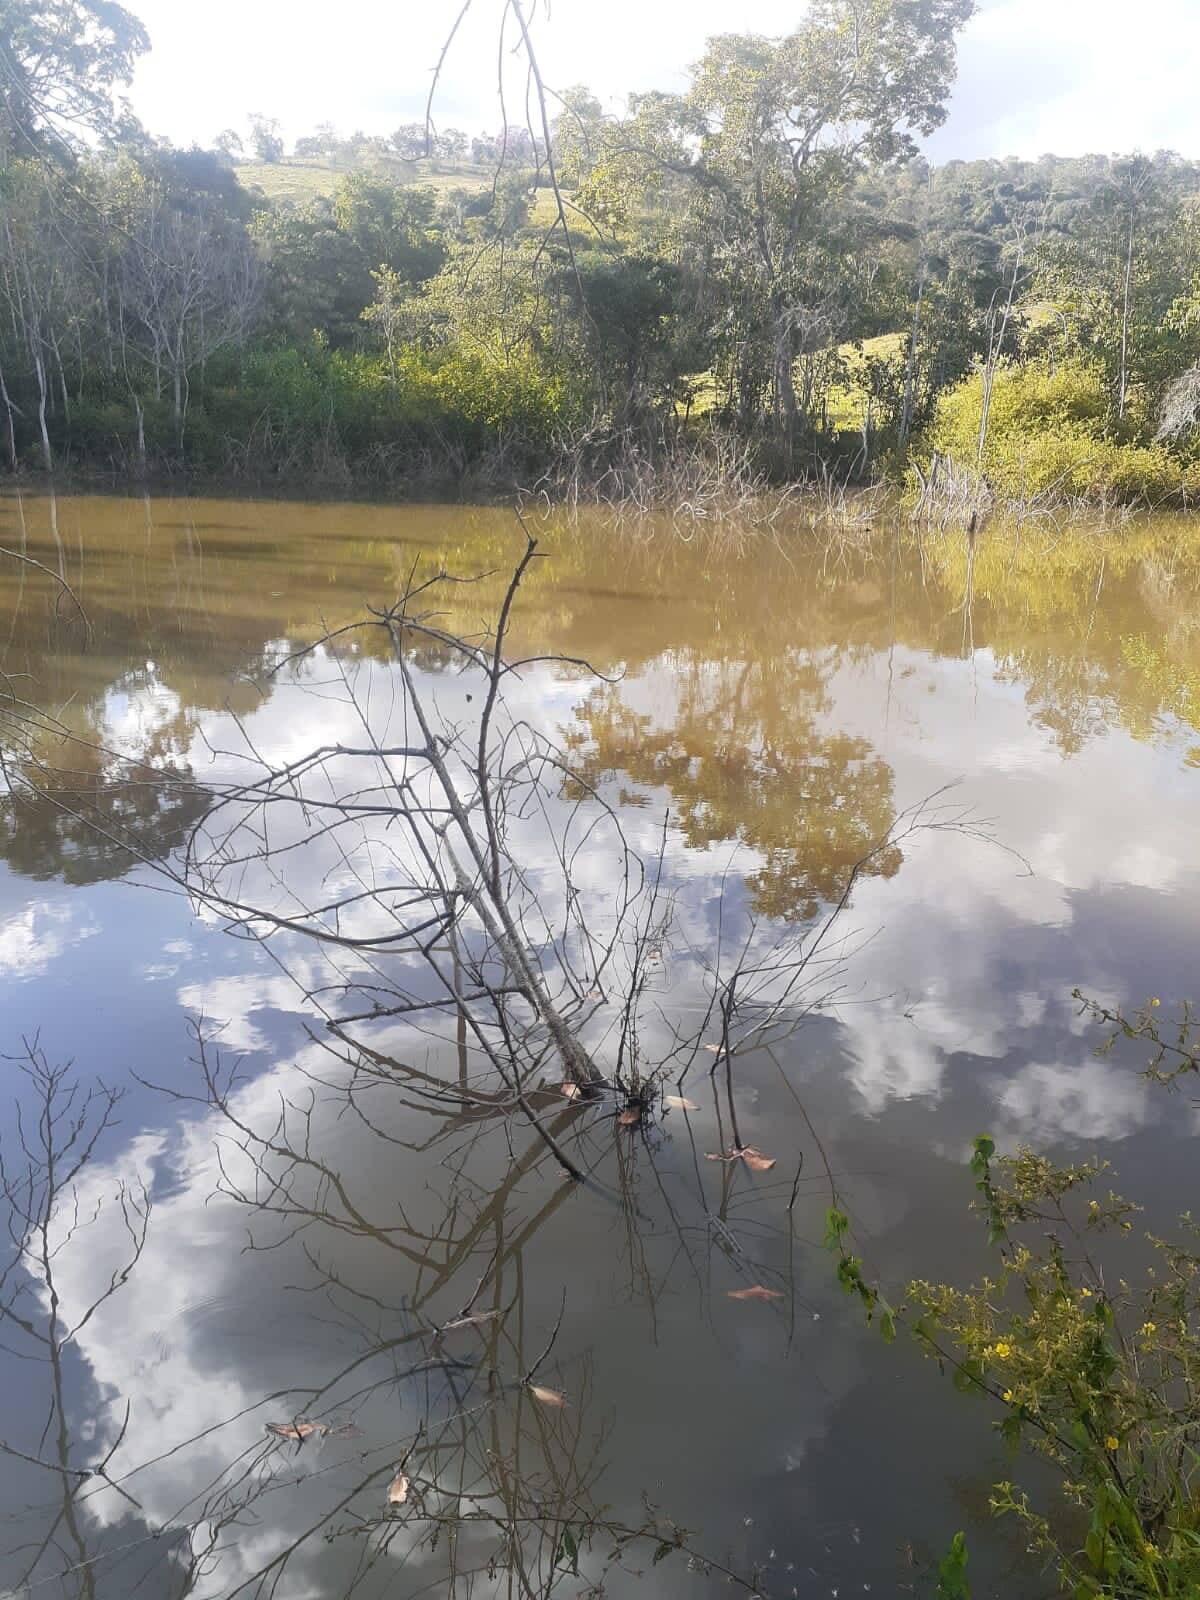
(511, 1010)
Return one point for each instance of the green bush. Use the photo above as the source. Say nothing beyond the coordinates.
(270, 407)
(1048, 433)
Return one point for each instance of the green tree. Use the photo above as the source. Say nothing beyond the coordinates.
(771, 134)
(265, 140)
(1116, 279)
(61, 62)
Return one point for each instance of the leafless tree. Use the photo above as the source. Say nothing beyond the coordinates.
(1180, 415)
(188, 289)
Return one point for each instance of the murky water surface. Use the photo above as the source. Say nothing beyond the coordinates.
(283, 1240)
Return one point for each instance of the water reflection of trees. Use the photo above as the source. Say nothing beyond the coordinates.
(448, 1421)
(1097, 628)
(78, 809)
(744, 759)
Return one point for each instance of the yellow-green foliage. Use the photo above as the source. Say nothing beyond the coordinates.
(1177, 686)
(1047, 433)
(1096, 1372)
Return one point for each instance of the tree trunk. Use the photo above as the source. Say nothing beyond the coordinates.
(1123, 386)
(10, 431)
(177, 405)
(787, 410)
(43, 431)
(141, 435)
(910, 366)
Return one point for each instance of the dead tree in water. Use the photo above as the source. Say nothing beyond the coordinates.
(434, 916)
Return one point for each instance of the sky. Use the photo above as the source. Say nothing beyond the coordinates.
(1068, 76)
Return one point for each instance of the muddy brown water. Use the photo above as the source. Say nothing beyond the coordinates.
(780, 702)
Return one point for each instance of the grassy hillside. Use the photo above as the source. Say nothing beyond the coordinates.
(298, 179)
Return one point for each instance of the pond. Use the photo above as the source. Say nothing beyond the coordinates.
(986, 753)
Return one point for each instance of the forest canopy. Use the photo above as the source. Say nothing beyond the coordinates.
(766, 255)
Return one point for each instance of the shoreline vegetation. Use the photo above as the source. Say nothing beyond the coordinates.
(728, 292)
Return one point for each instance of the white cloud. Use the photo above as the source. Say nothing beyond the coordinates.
(32, 939)
(1076, 76)
(1085, 1100)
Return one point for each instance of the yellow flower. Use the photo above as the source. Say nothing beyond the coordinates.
(1151, 1550)
(1008, 1397)
(1155, 1001)
(1112, 1442)
(1148, 1328)
(1003, 1350)
(1085, 1294)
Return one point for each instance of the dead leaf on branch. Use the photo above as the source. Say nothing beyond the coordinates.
(398, 1490)
(571, 1091)
(548, 1397)
(630, 1117)
(754, 1159)
(714, 1049)
(756, 1292)
(678, 1103)
(298, 1431)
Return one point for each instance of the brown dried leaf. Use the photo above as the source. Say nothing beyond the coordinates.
(594, 994)
(548, 1397)
(398, 1490)
(757, 1292)
(755, 1159)
(630, 1117)
(299, 1431)
(719, 1156)
(678, 1103)
(572, 1091)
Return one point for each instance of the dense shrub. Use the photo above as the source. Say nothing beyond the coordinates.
(1048, 433)
(272, 408)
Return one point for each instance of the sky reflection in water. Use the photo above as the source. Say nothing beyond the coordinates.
(786, 704)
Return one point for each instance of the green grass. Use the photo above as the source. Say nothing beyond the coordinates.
(299, 180)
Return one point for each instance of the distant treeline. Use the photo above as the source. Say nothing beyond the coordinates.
(765, 254)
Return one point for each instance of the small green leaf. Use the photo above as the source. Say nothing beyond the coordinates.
(568, 1551)
(836, 1224)
(984, 1149)
(968, 1376)
(952, 1571)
